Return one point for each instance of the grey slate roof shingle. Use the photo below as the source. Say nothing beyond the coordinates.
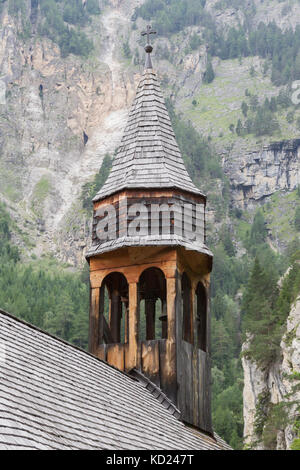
(148, 156)
(56, 396)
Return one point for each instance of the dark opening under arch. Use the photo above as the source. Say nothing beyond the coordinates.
(152, 300)
(114, 309)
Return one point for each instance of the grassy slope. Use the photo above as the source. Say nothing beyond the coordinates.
(279, 213)
(219, 103)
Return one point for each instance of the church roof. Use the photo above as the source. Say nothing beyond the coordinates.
(56, 396)
(148, 156)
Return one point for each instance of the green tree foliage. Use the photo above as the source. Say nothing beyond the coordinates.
(229, 274)
(195, 41)
(265, 308)
(209, 74)
(92, 7)
(258, 315)
(49, 297)
(90, 189)
(296, 442)
(245, 108)
(172, 16)
(126, 50)
(258, 232)
(297, 218)
(7, 251)
(268, 41)
(55, 16)
(196, 151)
(16, 6)
(61, 21)
(74, 12)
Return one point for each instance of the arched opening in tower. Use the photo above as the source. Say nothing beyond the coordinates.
(152, 301)
(114, 314)
(201, 316)
(187, 323)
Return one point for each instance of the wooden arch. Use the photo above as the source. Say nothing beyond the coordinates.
(114, 316)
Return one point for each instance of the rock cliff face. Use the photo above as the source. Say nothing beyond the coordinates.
(59, 116)
(264, 389)
(58, 119)
(257, 175)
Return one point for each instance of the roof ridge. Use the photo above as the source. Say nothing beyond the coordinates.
(152, 387)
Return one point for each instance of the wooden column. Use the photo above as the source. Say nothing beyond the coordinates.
(168, 348)
(94, 320)
(132, 356)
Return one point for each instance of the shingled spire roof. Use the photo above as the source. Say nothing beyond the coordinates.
(148, 156)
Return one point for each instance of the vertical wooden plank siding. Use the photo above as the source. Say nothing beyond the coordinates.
(150, 360)
(204, 391)
(115, 355)
(101, 353)
(195, 365)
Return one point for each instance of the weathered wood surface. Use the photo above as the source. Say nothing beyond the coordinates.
(116, 355)
(204, 380)
(150, 360)
(94, 320)
(178, 367)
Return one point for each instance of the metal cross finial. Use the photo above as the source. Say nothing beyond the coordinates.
(148, 47)
(148, 32)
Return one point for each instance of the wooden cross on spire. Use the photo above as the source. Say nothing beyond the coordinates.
(148, 47)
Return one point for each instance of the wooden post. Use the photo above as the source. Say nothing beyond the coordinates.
(94, 321)
(101, 314)
(132, 355)
(168, 356)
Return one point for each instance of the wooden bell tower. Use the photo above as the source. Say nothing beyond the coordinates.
(149, 265)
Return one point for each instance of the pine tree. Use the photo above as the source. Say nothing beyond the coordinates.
(297, 219)
(209, 75)
(245, 108)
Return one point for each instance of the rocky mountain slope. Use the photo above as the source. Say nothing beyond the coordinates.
(63, 114)
(60, 114)
(271, 396)
(59, 117)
